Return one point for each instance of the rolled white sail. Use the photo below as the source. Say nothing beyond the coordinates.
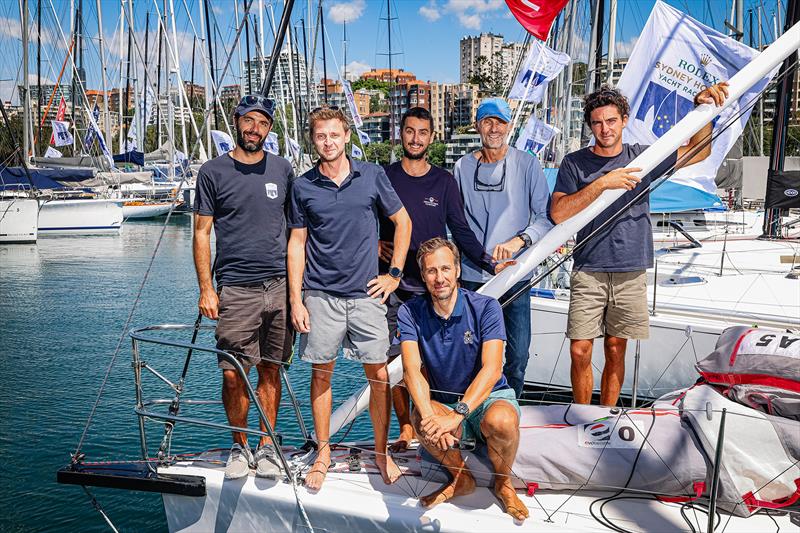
(647, 161)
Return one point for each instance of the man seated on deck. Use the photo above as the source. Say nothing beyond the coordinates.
(458, 335)
(608, 286)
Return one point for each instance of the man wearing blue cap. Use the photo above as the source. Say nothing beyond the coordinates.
(505, 198)
(243, 196)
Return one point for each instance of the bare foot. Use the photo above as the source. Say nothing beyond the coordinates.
(390, 472)
(316, 476)
(512, 505)
(402, 442)
(464, 484)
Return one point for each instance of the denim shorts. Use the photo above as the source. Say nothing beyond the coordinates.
(471, 426)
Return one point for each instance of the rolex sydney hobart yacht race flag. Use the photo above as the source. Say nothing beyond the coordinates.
(678, 58)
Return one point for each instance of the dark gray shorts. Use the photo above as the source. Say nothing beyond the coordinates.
(254, 323)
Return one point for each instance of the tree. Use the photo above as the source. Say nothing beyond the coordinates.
(371, 85)
(436, 153)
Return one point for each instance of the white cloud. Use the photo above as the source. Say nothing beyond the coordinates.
(470, 12)
(346, 11)
(356, 69)
(431, 12)
(624, 48)
(12, 29)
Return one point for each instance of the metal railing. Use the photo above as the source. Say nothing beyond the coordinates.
(145, 409)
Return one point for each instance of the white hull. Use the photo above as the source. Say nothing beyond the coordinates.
(18, 220)
(360, 501)
(82, 217)
(149, 210)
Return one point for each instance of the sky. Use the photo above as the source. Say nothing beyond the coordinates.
(425, 34)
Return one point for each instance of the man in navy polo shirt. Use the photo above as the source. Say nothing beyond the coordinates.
(333, 254)
(458, 335)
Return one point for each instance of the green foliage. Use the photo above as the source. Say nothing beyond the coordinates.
(487, 76)
(436, 153)
(371, 84)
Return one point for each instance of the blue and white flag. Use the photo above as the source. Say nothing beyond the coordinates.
(222, 141)
(292, 148)
(142, 115)
(351, 103)
(88, 139)
(677, 58)
(271, 143)
(541, 66)
(61, 133)
(363, 137)
(100, 139)
(535, 136)
(356, 152)
(52, 152)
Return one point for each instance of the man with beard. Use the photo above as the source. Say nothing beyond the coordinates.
(333, 255)
(431, 197)
(608, 286)
(505, 196)
(457, 335)
(243, 195)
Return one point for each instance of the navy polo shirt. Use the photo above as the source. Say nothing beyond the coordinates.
(451, 347)
(342, 224)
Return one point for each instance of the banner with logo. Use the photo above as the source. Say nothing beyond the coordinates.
(222, 141)
(542, 65)
(62, 111)
(351, 103)
(61, 132)
(52, 152)
(100, 138)
(356, 152)
(88, 139)
(536, 16)
(677, 58)
(535, 135)
(362, 136)
(271, 143)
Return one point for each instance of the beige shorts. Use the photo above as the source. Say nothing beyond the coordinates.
(608, 303)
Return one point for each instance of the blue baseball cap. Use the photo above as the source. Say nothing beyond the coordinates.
(255, 102)
(494, 107)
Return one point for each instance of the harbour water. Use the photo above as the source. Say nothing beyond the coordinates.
(63, 307)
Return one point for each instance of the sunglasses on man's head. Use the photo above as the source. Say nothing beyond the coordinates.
(331, 107)
(257, 99)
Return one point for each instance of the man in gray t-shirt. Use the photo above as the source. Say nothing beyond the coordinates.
(243, 195)
(608, 288)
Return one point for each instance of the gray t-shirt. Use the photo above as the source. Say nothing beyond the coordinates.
(248, 203)
(627, 244)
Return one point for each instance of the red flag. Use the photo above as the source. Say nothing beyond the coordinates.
(536, 16)
(62, 110)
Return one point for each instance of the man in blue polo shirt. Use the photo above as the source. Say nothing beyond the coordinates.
(333, 254)
(458, 335)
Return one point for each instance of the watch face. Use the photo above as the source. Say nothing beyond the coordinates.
(395, 272)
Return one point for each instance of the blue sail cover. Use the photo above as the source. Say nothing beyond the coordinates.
(137, 158)
(43, 178)
(669, 197)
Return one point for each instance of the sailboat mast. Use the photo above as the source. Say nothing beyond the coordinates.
(160, 34)
(126, 115)
(144, 118)
(612, 36)
(247, 46)
(324, 59)
(760, 100)
(39, 74)
(344, 50)
(772, 228)
(213, 80)
(104, 81)
(26, 126)
(391, 76)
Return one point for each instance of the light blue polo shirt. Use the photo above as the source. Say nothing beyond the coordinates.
(451, 347)
(342, 223)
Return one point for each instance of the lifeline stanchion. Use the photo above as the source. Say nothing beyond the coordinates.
(712, 504)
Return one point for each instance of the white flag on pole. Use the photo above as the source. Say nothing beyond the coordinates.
(101, 140)
(356, 152)
(144, 109)
(61, 132)
(542, 65)
(675, 59)
(351, 103)
(271, 143)
(52, 152)
(294, 148)
(363, 137)
(222, 141)
(535, 136)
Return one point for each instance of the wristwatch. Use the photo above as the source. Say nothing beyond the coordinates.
(462, 409)
(396, 273)
(525, 239)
